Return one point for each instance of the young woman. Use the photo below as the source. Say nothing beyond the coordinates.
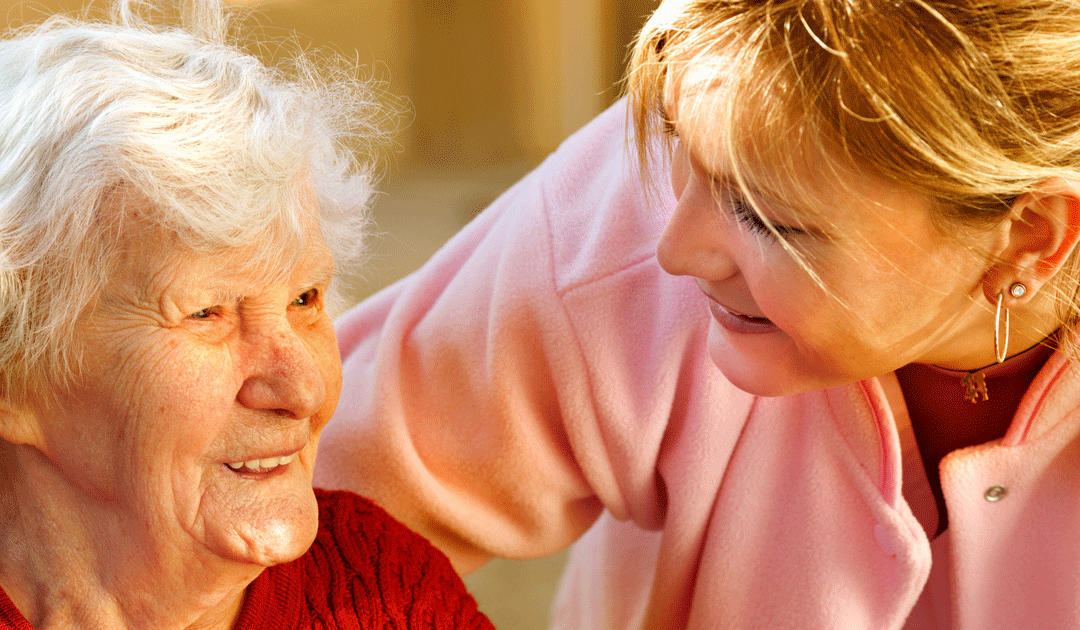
(852, 405)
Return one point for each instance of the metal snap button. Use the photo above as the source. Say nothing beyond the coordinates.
(994, 493)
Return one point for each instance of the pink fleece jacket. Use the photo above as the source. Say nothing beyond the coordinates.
(542, 381)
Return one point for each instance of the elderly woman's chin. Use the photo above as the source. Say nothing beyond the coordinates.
(263, 522)
(185, 444)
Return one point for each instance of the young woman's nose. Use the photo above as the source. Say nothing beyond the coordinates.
(283, 375)
(692, 243)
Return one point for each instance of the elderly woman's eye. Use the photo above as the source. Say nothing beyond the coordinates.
(307, 298)
(202, 313)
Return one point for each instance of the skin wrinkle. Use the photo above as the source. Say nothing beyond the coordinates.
(278, 353)
(139, 190)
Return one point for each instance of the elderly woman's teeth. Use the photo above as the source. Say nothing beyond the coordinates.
(262, 465)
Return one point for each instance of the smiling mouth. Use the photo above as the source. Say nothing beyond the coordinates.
(264, 465)
(740, 323)
(748, 318)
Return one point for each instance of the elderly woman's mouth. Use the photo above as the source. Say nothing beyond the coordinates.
(262, 465)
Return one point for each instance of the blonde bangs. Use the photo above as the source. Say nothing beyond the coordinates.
(896, 90)
(749, 92)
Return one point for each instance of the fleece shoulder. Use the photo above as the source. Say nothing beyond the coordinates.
(601, 216)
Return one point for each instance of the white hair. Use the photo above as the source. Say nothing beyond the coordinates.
(220, 144)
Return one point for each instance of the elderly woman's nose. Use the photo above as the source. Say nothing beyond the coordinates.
(283, 374)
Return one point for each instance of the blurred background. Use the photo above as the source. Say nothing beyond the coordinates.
(489, 87)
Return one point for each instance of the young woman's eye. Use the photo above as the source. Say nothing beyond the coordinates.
(307, 298)
(747, 216)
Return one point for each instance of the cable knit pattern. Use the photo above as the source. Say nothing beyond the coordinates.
(365, 571)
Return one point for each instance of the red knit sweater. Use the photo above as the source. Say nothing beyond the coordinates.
(365, 571)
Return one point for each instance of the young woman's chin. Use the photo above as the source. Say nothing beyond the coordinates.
(764, 364)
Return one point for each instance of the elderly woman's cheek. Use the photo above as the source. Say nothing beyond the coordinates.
(267, 518)
(321, 342)
(329, 359)
(261, 519)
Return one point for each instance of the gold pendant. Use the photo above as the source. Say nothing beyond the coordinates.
(975, 386)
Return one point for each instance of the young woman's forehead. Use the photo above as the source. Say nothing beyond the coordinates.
(727, 133)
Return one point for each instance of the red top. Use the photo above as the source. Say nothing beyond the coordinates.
(943, 420)
(364, 571)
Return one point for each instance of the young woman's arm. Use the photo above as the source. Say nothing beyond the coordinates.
(536, 371)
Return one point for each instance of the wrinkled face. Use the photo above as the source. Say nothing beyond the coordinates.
(196, 420)
(893, 288)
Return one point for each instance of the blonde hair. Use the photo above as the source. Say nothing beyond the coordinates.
(971, 104)
(219, 144)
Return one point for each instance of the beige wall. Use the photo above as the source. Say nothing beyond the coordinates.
(492, 87)
(491, 82)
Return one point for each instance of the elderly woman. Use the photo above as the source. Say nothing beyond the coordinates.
(171, 213)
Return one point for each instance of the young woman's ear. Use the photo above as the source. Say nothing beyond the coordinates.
(1039, 235)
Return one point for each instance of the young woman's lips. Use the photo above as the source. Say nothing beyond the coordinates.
(739, 323)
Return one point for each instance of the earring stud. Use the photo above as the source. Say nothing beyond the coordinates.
(1017, 290)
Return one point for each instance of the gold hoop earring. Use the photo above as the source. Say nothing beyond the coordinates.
(1002, 350)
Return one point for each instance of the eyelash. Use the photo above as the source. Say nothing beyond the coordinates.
(307, 298)
(747, 216)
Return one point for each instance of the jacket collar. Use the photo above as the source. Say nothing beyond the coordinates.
(1052, 398)
(871, 410)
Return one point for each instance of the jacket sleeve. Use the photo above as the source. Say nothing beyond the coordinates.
(533, 372)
